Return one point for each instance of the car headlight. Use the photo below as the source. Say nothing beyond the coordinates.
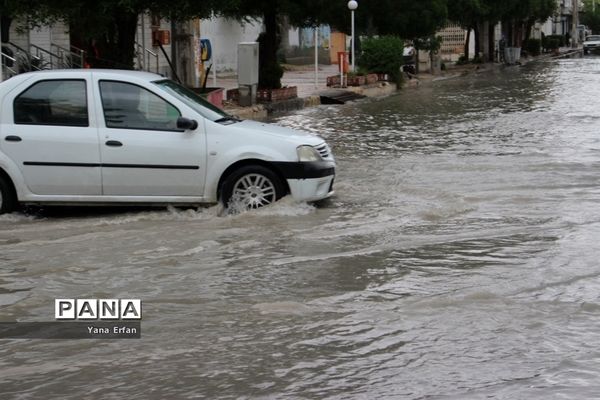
(308, 153)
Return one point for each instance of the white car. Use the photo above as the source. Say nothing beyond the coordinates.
(127, 137)
(591, 43)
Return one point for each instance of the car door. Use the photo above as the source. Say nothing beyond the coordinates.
(50, 135)
(142, 151)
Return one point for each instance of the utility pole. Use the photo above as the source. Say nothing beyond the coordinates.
(575, 33)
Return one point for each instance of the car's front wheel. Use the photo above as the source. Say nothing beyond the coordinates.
(8, 200)
(251, 187)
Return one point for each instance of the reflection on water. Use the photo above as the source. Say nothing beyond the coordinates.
(458, 260)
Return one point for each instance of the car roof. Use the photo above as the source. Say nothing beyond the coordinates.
(109, 74)
(86, 71)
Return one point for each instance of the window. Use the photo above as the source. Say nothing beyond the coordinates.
(55, 102)
(191, 99)
(129, 106)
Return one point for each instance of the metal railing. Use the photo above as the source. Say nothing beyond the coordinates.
(4, 65)
(144, 58)
(24, 60)
(49, 59)
(72, 57)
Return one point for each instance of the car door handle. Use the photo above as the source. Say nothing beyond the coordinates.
(114, 143)
(12, 138)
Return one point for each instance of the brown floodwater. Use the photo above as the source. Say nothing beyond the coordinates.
(459, 259)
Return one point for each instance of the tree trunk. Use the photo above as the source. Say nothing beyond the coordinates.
(519, 34)
(477, 38)
(126, 25)
(467, 43)
(492, 41)
(270, 72)
(529, 27)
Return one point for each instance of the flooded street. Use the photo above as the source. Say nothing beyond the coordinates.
(459, 259)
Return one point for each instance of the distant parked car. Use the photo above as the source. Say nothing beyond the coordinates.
(126, 137)
(591, 43)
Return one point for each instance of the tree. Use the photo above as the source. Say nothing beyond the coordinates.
(520, 15)
(468, 14)
(106, 28)
(405, 18)
(591, 15)
(300, 13)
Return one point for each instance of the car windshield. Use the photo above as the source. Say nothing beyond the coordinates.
(193, 100)
(595, 38)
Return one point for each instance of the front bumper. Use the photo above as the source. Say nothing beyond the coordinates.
(311, 189)
(308, 181)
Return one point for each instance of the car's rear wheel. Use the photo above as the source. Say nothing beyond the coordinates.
(251, 187)
(8, 200)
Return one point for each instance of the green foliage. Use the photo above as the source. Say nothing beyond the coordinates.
(404, 18)
(466, 13)
(106, 27)
(270, 76)
(552, 42)
(462, 60)
(523, 10)
(520, 14)
(533, 46)
(591, 16)
(270, 71)
(383, 55)
(430, 43)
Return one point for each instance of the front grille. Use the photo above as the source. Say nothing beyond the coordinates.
(324, 151)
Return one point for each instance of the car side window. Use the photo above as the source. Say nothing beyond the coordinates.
(129, 106)
(53, 102)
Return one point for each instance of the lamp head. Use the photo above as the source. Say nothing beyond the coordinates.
(352, 5)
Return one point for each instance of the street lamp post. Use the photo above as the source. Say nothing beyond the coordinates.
(353, 5)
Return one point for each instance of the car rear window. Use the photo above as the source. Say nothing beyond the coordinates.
(53, 102)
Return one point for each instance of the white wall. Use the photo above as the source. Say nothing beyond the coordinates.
(294, 37)
(225, 34)
(144, 38)
(45, 37)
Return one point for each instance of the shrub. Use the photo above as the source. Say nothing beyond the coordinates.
(550, 39)
(270, 76)
(462, 60)
(552, 43)
(533, 46)
(383, 55)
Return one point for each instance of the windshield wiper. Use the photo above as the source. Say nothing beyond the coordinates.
(229, 118)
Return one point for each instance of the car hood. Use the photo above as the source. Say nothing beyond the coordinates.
(591, 42)
(291, 135)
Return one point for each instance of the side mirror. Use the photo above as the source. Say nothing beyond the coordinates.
(187, 124)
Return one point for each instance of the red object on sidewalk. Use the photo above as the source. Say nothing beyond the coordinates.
(344, 62)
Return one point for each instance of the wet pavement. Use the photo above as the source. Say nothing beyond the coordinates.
(458, 260)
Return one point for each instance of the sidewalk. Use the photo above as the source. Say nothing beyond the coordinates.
(301, 76)
(310, 89)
